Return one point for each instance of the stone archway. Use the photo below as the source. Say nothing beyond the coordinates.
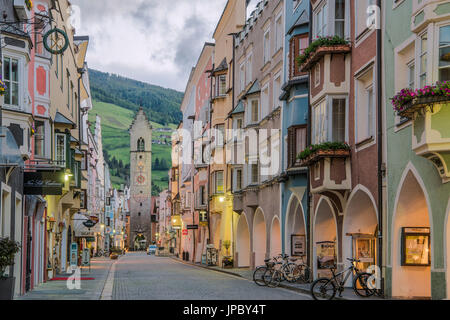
(411, 210)
(140, 242)
(359, 228)
(243, 242)
(275, 238)
(325, 238)
(295, 222)
(259, 237)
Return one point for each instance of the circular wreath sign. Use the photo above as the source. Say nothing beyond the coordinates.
(56, 41)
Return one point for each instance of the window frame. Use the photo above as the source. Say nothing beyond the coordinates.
(20, 79)
(36, 137)
(266, 46)
(61, 163)
(438, 48)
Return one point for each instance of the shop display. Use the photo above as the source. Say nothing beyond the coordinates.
(416, 247)
(326, 254)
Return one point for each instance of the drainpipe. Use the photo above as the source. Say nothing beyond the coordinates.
(380, 148)
(308, 176)
(209, 164)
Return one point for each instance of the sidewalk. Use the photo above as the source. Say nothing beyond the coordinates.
(247, 273)
(90, 289)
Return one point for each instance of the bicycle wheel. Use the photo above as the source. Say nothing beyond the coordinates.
(258, 276)
(360, 285)
(305, 274)
(272, 278)
(323, 289)
(293, 273)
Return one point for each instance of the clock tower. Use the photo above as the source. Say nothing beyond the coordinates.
(140, 236)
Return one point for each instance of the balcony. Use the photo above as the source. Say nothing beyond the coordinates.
(430, 117)
(330, 168)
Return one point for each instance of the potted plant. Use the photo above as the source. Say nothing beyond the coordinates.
(322, 150)
(8, 250)
(227, 261)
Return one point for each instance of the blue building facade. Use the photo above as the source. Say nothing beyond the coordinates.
(294, 190)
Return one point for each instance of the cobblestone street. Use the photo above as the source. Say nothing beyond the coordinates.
(142, 277)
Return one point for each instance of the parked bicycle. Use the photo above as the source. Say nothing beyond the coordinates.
(287, 270)
(326, 289)
(301, 272)
(258, 274)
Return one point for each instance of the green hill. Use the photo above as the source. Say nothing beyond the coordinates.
(116, 143)
(161, 105)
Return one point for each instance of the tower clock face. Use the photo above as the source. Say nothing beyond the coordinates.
(140, 166)
(140, 179)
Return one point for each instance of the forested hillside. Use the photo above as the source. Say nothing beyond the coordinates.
(161, 104)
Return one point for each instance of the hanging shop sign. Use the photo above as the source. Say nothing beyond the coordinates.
(56, 41)
(43, 183)
(185, 232)
(192, 226)
(89, 224)
(416, 246)
(176, 222)
(298, 245)
(203, 218)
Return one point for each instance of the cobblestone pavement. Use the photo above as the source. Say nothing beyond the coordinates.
(142, 277)
(89, 289)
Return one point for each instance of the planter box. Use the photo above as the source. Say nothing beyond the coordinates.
(420, 103)
(320, 52)
(7, 288)
(22, 10)
(316, 156)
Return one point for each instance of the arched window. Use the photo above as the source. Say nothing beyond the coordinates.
(141, 145)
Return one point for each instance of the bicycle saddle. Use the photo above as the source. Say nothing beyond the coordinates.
(293, 259)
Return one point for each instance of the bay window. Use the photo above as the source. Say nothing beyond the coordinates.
(39, 139)
(331, 18)
(321, 20)
(242, 77)
(444, 53)
(296, 143)
(329, 120)
(423, 60)
(221, 85)
(253, 111)
(266, 46)
(218, 182)
(60, 149)
(11, 77)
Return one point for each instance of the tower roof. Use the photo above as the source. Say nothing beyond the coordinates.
(141, 113)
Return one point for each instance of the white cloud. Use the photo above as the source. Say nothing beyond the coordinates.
(155, 41)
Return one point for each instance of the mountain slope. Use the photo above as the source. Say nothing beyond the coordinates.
(161, 105)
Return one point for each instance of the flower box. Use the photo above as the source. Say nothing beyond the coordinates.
(319, 154)
(419, 103)
(322, 51)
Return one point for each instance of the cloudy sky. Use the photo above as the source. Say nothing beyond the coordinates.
(156, 41)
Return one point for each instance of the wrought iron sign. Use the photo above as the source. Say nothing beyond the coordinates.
(56, 41)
